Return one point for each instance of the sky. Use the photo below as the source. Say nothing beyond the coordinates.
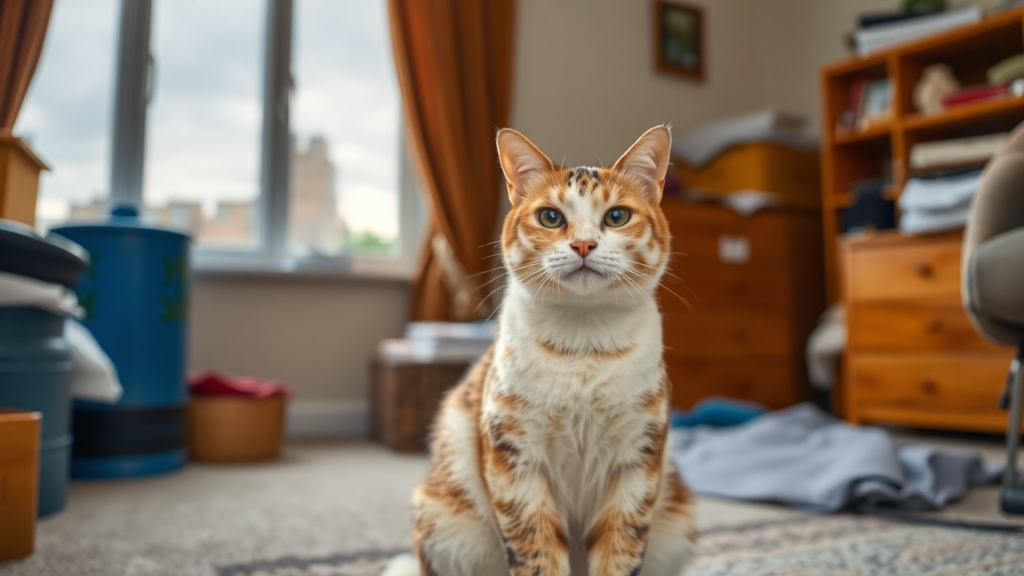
(204, 122)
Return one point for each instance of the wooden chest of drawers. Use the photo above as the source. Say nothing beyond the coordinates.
(754, 290)
(913, 357)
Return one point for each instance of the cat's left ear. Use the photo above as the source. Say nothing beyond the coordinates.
(523, 163)
(647, 161)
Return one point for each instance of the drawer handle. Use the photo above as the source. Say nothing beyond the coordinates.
(739, 288)
(740, 337)
(935, 326)
(928, 386)
(924, 269)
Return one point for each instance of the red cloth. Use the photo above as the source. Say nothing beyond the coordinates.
(216, 384)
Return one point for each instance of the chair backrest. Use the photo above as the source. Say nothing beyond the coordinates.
(998, 207)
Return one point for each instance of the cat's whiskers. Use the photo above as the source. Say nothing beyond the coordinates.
(508, 272)
(621, 276)
(635, 285)
(681, 281)
(655, 268)
(662, 284)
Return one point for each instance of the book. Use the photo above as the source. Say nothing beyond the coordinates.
(872, 19)
(876, 38)
(849, 118)
(984, 92)
(876, 103)
(959, 151)
(427, 351)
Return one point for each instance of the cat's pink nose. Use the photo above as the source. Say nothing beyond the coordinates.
(583, 247)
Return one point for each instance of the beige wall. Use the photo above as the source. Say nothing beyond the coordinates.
(585, 86)
(798, 37)
(316, 334)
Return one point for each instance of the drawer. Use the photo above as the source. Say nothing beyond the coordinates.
(908, 327)
(722, 285)
(728, 332)
(961, 383)
(713, 234)
(900, 272)
(767, 381)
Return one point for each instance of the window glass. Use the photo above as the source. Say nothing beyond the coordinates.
(66, 116)
(345, 126)
(205, 119)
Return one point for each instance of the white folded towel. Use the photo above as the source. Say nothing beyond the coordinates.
(94, 376)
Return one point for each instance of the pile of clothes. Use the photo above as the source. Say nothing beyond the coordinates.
(806, 458)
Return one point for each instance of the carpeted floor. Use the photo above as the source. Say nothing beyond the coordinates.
(839, 545)
(339, 503)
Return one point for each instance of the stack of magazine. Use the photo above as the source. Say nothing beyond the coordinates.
(427, 342)
(878, 34)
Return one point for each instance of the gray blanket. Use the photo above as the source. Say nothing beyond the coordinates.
(806, 458)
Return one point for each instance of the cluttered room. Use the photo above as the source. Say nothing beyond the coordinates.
(511, 287)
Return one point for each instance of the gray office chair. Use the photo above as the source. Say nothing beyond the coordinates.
(993, 284)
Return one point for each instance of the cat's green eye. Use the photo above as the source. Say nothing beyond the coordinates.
(550, 218)
(617, 217)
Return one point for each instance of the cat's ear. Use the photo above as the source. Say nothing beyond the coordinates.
(524, 165)
(647, 161)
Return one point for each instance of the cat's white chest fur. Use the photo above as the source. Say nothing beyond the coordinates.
(584, 372)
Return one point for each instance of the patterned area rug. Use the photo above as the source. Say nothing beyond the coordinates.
(822, 546)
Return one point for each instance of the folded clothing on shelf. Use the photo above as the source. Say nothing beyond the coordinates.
(934, 205)
(704, 143)
(973, 150)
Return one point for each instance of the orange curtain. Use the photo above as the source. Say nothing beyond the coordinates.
(454, 61)
(22, 31)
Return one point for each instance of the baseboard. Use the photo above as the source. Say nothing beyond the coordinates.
(328, 420)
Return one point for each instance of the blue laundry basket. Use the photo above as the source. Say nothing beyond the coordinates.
(36, 361)
(135, 294)
(35, 374)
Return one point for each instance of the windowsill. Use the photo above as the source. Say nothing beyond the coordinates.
(358, 270)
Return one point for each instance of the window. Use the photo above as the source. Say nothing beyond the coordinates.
(66, 115)
(345, 110)
(204, 122)
(272, 131)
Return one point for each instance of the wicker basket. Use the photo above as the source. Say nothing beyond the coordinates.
(235, 428)
(406, 396)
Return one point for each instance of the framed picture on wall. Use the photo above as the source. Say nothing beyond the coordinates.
(679, 39)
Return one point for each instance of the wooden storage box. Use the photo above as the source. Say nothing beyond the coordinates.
(235, 428)
(406, 396)
(19, 180)
(19, 482)
(791, 173)
(754, 290)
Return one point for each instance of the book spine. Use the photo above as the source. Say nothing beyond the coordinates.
(856, 97)
(976, 95)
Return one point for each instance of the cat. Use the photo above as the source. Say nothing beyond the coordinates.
(549, 458)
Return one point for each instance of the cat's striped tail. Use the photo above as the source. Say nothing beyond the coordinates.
(402, 565)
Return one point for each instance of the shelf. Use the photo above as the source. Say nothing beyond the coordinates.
(967, 114)
(875, 132)
(872, 65)
(845, 199)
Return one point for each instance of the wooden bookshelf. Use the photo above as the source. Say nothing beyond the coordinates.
(912, 356)
(883, 148)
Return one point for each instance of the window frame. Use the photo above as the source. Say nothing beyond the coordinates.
(135, 77)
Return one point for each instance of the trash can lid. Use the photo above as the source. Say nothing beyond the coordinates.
(52, 259)
(124, 219)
